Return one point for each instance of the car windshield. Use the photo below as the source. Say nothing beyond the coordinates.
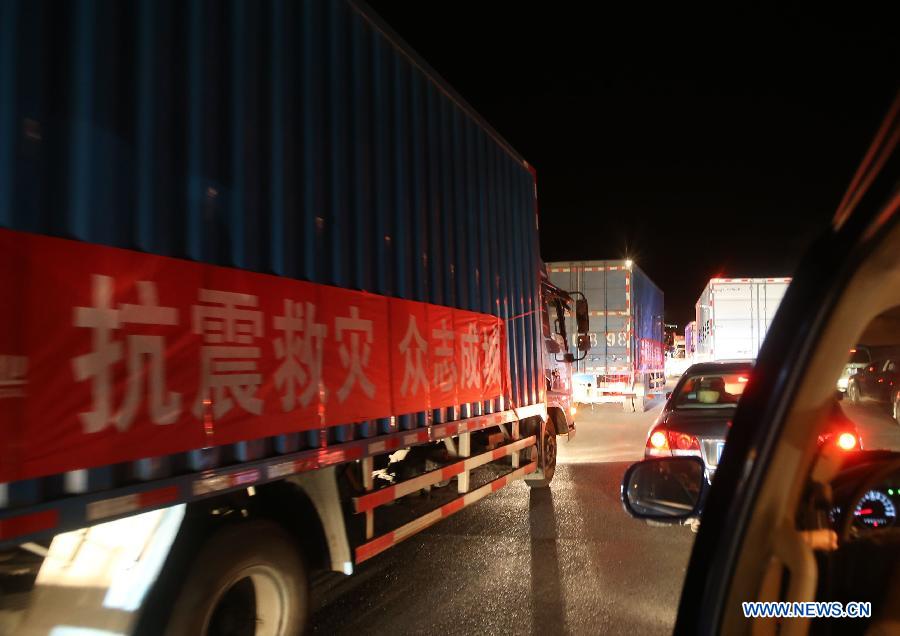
(710, 391)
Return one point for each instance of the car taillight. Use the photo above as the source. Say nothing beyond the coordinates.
(662, 440)
(846, 441)
(658, 441)
(683, 441)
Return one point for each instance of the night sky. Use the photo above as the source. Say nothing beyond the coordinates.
(697, 144)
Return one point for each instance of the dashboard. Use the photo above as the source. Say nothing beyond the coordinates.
(866, 495)
(877, 508)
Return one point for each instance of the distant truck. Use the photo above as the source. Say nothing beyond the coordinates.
(690, 339)
(625, 362)
(733, 316)
(677, 361)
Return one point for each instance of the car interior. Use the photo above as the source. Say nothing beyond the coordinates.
(709, 389)
(824, 524)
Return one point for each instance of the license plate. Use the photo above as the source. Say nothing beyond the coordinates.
(719, 448)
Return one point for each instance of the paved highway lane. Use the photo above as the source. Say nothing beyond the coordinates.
(876, 427)
(563, 560)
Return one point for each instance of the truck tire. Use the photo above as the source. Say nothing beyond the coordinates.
(546, 456)
(247, 579)
(853, 393)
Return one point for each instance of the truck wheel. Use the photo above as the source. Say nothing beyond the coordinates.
(853, 393)
(546, 456)
(247, 579)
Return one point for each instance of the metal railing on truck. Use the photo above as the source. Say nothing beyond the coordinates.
(48, 518)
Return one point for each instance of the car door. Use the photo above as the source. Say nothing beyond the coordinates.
(749, 547)
(865, 379)
(885, 381)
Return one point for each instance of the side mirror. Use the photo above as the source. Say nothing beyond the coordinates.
(568, 358)
(584, 343)
(669, 489)
(581, 315)
(668, 394)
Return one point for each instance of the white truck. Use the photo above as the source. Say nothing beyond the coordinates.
(733, 316)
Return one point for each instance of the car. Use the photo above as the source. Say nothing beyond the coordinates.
(860, 357)
(698, 412)
(878, 382)
(800, 536)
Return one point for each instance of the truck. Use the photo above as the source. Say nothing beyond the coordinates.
(677, 361)
(690, 339)
(733, 316)
(625, 362)
(272, 304)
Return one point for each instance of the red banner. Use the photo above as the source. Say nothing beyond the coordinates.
(108, 355)
(651, 355)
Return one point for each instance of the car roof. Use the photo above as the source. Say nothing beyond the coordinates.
(730, 366)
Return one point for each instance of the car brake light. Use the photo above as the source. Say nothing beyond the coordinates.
(846, 441)
(662, 440)
(742, 379)
(658, 441)
(683, 441)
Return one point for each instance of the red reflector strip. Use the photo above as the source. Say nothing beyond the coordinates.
(372, 500)
(159, 496)
(28, 524)
(126, 504)
(376, 546)
(380, 544)
(216, 483)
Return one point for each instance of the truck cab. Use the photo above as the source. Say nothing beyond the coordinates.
(556, 305)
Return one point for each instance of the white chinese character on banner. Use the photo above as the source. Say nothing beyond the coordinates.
(229, 324)
(468, 342)
(356, 356)
(413, 346)
(445, 368)
(146, 353)
(300, 348)
(491, 346)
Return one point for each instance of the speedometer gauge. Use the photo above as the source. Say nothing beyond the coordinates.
(875, 510)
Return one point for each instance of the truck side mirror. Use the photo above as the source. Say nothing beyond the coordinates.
(584, 343)
(581, 317)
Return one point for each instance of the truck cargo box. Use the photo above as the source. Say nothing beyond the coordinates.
(626, 318)
(165, 155)
(733, 316)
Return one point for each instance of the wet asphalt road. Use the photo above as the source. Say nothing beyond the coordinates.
(523, 561)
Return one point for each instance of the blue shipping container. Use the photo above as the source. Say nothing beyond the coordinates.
(302, 139)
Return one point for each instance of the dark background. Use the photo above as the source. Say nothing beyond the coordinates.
(697, 144)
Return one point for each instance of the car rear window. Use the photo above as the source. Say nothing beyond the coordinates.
(713, 390)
